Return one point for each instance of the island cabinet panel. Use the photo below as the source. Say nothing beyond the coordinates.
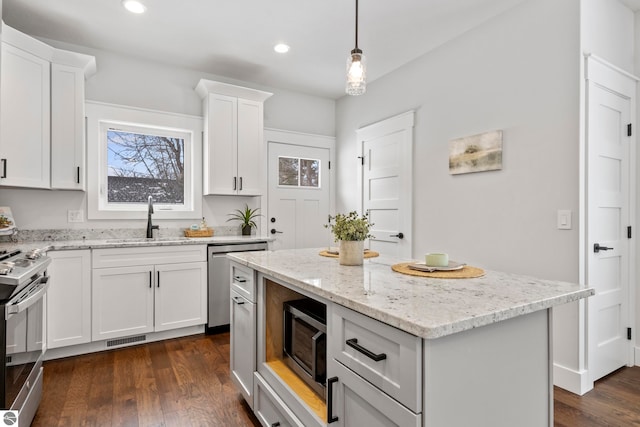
(243, 345)
(269, 408)
(357, 341)
(502, 373)
(69, 298)
(356, 402)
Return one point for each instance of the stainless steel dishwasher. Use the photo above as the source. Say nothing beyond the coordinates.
(219, 285)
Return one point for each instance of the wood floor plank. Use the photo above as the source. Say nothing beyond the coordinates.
(186, 382)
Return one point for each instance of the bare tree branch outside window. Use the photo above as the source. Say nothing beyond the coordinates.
(142, 165)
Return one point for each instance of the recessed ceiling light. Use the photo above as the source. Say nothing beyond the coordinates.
(134, 6)
(281, 48)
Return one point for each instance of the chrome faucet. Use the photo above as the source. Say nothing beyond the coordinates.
(150, 227)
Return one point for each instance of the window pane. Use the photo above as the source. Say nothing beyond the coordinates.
(141, 165)
(287, 171)
(309, 173)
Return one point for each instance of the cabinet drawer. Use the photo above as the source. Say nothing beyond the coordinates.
(356, 403)
(243, 281)
(126, 257)
(357, 341)
(269, 408)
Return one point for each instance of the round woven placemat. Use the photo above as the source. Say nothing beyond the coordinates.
(367, 254)
(467, 272)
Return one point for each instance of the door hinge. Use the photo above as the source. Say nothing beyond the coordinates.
(628, 232)
(629, 129)
(628, 333)
(361, 160)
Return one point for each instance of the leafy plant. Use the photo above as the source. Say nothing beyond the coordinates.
(350, 227)
(246, 216)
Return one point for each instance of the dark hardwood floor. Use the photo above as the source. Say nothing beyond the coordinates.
(180, 382)
(186, 382)
(614, 402)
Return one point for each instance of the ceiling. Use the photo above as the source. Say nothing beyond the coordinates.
(235, 38)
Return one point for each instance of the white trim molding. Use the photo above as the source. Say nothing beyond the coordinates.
(576, 382)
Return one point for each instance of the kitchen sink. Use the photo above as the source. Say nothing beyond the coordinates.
(144, 239)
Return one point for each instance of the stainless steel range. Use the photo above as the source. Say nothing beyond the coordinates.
(23, 284)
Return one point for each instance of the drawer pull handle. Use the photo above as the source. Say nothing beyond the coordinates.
(239, 279)
(238, 300)
(330, 417)
(276, 424)
(353, 342)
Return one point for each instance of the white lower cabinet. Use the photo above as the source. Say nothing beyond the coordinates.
(270, 410)
(356, 402)
(243, 344)
(69, 298)
(138, 299)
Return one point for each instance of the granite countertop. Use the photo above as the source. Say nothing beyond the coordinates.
(50, 245)
(428, 308)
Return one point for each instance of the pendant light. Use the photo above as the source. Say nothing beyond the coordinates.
(356, 68)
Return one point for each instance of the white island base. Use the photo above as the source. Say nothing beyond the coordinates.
(472, 352)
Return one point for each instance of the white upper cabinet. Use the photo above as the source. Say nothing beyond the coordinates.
(233, 139)
(25, 122)
(42, 122)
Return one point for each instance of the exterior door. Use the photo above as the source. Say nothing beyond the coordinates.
(609, 250)
(386, 149)
(299, 195)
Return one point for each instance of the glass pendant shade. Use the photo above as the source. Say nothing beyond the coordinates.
(356, 73)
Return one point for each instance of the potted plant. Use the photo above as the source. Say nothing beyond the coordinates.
(351, 231)
(247, 217)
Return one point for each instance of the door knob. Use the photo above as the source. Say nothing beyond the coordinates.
(597, 248)
(274, 231)
(399, 235)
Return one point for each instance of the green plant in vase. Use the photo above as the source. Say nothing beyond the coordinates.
(247, 217)
(351, 230)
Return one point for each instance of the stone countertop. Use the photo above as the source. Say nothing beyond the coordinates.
(426, 307)
(52, 245)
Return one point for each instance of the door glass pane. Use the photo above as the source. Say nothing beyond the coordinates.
(309, 173)
(288, 171)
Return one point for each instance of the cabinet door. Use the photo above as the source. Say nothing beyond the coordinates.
(243, 345)
(122, 301)
(357, 402)
(220, 148)
(69, 298)
(25, 132)
(67, 127)
(180, 295)
(251, 157)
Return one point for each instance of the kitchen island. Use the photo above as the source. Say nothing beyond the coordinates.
(458, 352)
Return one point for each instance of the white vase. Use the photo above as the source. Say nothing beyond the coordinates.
(351, 252)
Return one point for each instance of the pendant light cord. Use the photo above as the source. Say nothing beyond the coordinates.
(356, 24)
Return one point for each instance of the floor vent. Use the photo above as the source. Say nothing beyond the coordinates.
(129, 340)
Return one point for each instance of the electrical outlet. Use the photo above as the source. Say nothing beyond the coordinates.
(75, 216)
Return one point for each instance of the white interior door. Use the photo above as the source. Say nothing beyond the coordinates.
(386, 149)
(608, 218)
(299, 195)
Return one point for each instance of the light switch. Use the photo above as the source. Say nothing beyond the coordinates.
(564, 220)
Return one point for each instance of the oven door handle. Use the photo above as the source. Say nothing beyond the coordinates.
(40, 288)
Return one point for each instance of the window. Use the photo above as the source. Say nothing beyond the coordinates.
(295, 172)
(138, 154)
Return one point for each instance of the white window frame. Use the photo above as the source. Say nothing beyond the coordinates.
(300, 186)
(100, 118)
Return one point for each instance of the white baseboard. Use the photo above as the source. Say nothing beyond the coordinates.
(92, 347)
(576, 382)
(636, 356)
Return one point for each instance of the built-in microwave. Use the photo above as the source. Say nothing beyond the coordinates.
(305, 341)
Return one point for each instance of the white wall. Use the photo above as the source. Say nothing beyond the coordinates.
(130, 81)
(519, 72)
